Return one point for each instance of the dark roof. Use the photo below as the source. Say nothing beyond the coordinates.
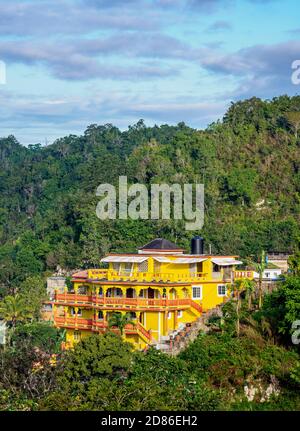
(160, 244)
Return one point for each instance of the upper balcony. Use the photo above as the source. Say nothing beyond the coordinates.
(165, 277)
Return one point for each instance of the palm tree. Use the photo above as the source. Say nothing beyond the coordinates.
(237, 287)
(13, 310)
(249, 286)
(120, 321)
(260, 267)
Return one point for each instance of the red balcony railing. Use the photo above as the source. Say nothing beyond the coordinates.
(73, 322)
(94, 325)
(141, 329)
(94, 301)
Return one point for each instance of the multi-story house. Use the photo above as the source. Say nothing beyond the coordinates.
(159, 286)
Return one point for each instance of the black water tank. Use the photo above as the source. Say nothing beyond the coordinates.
(197, 245)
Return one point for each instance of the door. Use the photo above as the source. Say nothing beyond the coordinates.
(150, 293)
(129, 293)
(199, 267)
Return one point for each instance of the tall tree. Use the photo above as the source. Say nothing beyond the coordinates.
(260, 267)
(237, 288)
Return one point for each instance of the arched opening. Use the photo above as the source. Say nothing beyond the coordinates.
(172, 294)
(151, 293)
(118, 292)
(109, 292)
(100, 291)
(143, 293)
(82, 290)
(130, 293)
(185, 292)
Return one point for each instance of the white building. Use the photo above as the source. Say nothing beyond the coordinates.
(271, 274)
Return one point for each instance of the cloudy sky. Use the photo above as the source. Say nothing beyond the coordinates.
(70, 63)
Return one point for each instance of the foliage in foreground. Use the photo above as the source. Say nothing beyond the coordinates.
(103, 373)
(252, 366)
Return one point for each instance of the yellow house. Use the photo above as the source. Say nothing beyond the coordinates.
(160, 287)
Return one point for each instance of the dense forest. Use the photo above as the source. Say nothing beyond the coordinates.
(249, 163)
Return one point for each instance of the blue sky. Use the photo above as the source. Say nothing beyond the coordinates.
(71, 63)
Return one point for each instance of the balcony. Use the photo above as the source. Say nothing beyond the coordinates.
(93, 301)
(79, 323)
(110, 275)
(243, 274)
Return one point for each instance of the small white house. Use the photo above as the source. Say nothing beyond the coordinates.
(270, 273)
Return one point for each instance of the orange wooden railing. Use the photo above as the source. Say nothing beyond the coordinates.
(73, 321)
(195, 305)
(93, 300)
(143, 331)
(81, 323)
(243, 274)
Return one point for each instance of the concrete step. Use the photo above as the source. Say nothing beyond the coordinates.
(161, 346)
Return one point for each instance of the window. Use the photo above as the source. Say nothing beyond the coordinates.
(127, 267)
(179, 314)
(82, 290)
(222, 290)
(73, 312)
(118, 292)
(116, 267)
(267, 274)
(197, 292)
(193, 269)
(169, 314)
(100, 314)
(143, 266)
(77, 335)
(157, 267)
(216, 268)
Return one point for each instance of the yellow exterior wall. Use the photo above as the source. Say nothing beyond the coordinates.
(152, 322)
(152, 319)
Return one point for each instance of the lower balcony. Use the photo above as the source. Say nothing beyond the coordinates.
(94, 325)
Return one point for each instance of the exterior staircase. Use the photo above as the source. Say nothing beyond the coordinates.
(178, 340)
